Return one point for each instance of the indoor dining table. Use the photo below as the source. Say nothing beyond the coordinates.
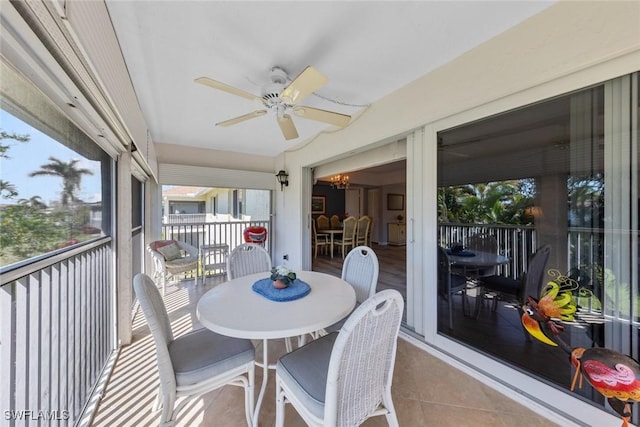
(332, 232)
(234, 309)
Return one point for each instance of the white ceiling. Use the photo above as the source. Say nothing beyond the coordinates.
(366, 49)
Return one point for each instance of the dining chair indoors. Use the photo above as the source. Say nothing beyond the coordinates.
(335, 221)
(323, 222)
(364, 222)
(450, 283)
(345, 377)
(348, 238)
(170, 258)
(248, 258)
(319, 240)
(194, 363)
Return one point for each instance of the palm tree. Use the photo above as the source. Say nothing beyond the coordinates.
(70, 174)
(7, 189)
(34, 202)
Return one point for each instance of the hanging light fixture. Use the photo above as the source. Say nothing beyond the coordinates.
(340, 182)
(283, 179)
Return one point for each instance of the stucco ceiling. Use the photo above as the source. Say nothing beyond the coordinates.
(366, 49)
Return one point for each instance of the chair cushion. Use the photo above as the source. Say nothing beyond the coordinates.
(458, 281)
(170, 251)
(338, 325)
(203, 354)
(178, 262)
(305, 369)
(501, 284)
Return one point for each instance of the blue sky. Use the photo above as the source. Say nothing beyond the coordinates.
(25, 158)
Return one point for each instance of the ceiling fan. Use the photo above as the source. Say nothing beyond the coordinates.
(282, 100)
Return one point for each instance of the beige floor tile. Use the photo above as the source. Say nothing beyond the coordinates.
(426, 391)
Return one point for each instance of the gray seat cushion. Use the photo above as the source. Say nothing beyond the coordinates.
(304, 371)
(338, 325)
(203, 354)
(501, 284)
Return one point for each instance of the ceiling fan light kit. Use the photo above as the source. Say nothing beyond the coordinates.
(281, 100)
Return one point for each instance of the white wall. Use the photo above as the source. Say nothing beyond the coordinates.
(601, 37)
(567, 47)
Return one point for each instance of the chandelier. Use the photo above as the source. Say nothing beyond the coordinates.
(340, 182)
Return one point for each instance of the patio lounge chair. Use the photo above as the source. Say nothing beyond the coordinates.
(172, 257)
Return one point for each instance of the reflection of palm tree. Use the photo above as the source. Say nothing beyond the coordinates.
(485, 203)
(34, 202)
(70, 174)
(7, 189)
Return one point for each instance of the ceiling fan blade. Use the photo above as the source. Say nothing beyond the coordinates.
(242, 118)
(287, 127)
(307, 82)
(226, 88)
(325, 116)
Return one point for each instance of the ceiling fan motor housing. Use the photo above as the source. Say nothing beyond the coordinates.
(271, 91)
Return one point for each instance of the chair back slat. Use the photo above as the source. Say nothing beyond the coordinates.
(533, 278)
(323, 221)
(248, 258)
(155, 313)
(360, 270)
(364, 222)
(362, 360)
(349, 226)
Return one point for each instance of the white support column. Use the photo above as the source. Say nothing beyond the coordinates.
(124, 267)
(621, 212)
(420, 194)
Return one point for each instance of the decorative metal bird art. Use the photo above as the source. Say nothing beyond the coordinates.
(614, 375)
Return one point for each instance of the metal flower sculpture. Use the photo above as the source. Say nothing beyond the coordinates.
(614, 375)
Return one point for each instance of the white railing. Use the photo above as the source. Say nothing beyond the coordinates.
(201, 217)
(229, 233)
(515, 242)
(56, 335)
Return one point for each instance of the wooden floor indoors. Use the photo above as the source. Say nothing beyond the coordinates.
(426, 391)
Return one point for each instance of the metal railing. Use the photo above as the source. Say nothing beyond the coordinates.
(208, 233)
(518, 243)
(56, 335)
(515, 242)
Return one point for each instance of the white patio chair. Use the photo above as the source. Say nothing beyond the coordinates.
(344, 378)
(170, 258)
(248, 258)
(195, 363)
(360, 269)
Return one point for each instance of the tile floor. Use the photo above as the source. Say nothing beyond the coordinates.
(426, 390)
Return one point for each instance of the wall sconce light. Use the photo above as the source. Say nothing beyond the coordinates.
(283, 179)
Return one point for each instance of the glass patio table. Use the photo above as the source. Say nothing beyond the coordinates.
(476, 260)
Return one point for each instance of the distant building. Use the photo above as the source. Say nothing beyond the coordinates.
(211, 204)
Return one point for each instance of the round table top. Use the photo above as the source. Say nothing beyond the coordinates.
(234, 309)
(481, 259)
